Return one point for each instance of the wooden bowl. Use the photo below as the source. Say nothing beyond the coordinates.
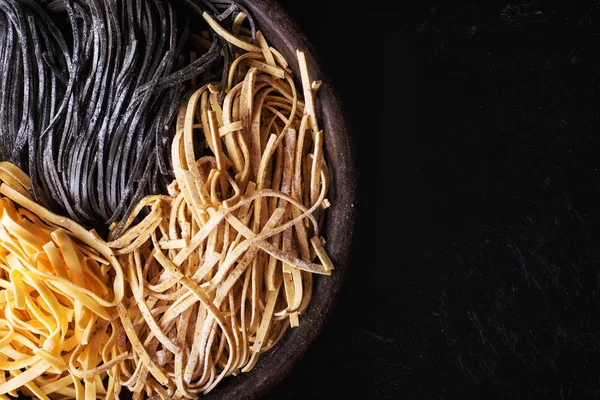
(286, 36)
(282, 32)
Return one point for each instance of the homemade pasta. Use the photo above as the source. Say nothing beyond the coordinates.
(58, 284)
(194, 284)
(222, 266)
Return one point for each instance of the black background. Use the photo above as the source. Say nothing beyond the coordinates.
(476, 266)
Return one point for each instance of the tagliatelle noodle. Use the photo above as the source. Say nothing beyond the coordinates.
(223, 266)
(58, 285)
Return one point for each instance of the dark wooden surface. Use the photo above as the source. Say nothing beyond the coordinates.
(476, 269)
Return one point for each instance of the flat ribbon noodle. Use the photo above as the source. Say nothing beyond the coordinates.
(225, 267)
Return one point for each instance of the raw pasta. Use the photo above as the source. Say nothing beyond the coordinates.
(192, 285)
(58, 283)
(221, 267)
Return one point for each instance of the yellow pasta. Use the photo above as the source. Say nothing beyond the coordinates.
(58, 335)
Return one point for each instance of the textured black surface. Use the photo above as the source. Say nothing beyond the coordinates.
(479, 277)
